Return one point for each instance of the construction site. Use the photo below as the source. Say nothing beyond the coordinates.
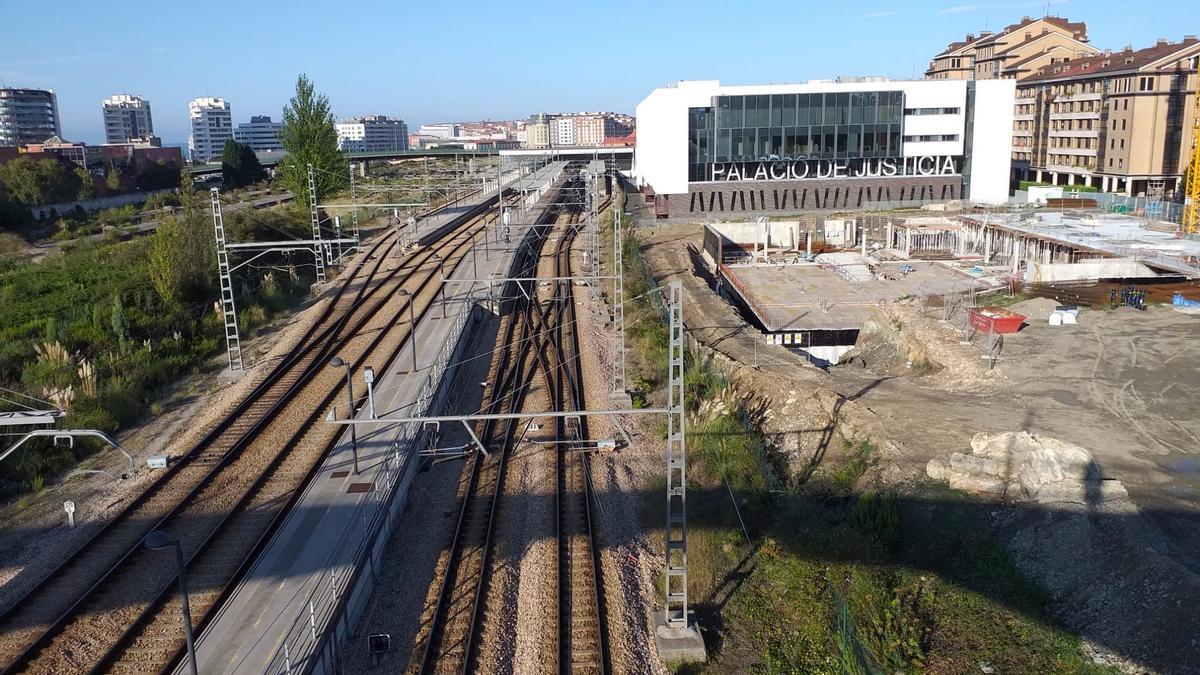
(1034, 356)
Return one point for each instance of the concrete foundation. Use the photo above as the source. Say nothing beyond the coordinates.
(679, 645)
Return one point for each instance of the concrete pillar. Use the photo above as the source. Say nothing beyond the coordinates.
(1016, 253)
(1039, 176)
(808, 237)
(987, 245)
(888, 235)
(864, 243)
(907, 240)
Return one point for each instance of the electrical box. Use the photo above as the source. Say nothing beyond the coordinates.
(157, 462)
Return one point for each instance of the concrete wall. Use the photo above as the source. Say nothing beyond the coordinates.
(791, 196)
(1087, 270)
(98, 203)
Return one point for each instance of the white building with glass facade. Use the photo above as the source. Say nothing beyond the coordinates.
(212, 125)
(372, 133)
(865, 145)
(260, 133)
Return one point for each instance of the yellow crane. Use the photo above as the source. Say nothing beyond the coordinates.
(1191, 191)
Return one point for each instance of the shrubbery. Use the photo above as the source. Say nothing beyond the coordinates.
(101, 329)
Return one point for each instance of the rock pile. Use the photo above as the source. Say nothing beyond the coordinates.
(1025, 467)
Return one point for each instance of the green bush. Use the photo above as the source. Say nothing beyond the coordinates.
(876, 516)
(861, 456)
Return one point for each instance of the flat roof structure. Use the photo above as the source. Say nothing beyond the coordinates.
(815, 297)
(1153, 243)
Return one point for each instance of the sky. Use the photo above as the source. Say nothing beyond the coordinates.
(459, 61)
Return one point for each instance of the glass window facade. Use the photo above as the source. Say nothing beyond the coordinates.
(828, 125)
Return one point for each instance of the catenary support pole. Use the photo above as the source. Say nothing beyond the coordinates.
(233, 341)
(316, 224)
(675, 533)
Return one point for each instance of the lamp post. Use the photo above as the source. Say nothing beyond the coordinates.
(337, 362)
(157, 541)
(412, 321)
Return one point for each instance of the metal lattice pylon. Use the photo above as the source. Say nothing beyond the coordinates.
(316, 225)
(353, 200)
(675, 534)
(233, 341)
(618, 272)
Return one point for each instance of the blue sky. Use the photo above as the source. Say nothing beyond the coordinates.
(431, 61)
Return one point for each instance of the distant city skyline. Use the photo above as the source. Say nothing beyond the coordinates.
(253, 59)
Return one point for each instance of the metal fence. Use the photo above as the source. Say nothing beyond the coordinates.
(953, 306)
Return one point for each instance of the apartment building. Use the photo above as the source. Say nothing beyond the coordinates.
(562, 131)
(372, 133)
(260, 133)
(1117, 121)
(28, 116)
(127, 118)
(1012, 53)
(212, 125)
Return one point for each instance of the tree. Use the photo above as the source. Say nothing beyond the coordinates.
(239, 165)
(113, 180)
(39, 181)
(87, 186)
(183, 255)
(309, 137)
(159, 175)
(120, 326)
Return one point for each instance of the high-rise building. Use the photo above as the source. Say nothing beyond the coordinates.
(1118, 121)
(212, 125)
(1012, 53)
(372, 133)
(28, 116)
(126, 119)
(260, 133)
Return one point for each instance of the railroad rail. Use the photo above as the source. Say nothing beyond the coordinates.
(226, 495)
(448, 644)
(582, 636)
(534, 339)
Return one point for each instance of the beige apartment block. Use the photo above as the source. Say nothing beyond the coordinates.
(537, 135)
(1012, 53)
(1118, 121)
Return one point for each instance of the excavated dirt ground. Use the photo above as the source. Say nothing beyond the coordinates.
(1121, 384)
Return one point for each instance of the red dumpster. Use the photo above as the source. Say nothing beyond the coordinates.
(996, 319)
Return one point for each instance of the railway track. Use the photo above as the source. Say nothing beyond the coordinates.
(534, 339)
(582, 638)
(225, 496)
(447, 644)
